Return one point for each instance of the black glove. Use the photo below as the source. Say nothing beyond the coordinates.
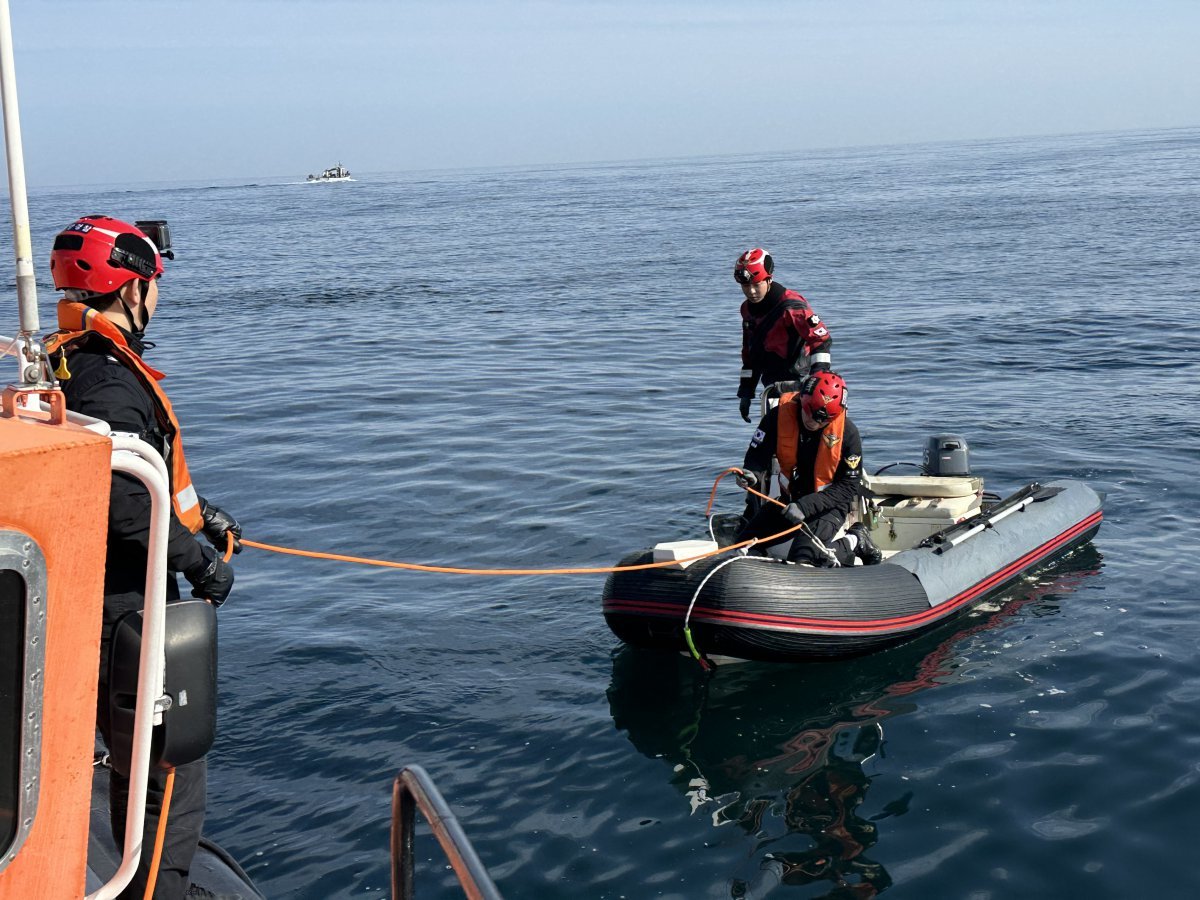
(747, 479)
(793, 514)
(212, 578)
(744, 408)
(217, 523)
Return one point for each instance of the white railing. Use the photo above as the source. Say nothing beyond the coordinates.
(137, 458)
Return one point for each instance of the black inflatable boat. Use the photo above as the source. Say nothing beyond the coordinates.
(214, 873)
(946, 548)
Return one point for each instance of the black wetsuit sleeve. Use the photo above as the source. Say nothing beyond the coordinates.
(115, 396)
(847, 480)
(762, 448)
(129, 520)
(748, 383)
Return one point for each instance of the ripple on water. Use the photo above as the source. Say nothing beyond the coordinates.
(1063, 824)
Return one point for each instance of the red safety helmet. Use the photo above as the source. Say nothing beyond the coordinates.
(753, 266)
(100, 254)
(823, 396)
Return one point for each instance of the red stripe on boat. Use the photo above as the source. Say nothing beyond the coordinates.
(875, 626)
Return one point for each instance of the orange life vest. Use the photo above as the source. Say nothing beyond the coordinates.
(787, 443)
(77, 321)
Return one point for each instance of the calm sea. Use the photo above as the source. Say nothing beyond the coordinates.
(527, 368)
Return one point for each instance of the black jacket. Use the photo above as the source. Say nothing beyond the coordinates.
(847, 480)
(103, 388)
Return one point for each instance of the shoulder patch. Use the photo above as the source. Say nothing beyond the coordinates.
(814, 319)
(758, 438)
(853, 461)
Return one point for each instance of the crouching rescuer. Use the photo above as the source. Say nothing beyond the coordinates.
(109, 272)
(820, 472)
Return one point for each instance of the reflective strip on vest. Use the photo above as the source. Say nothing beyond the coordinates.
(187, 498)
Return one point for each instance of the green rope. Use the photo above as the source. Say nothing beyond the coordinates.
(687, 636)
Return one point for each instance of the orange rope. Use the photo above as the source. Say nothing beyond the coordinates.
(160, 837)
(748, 490)
(597, 570)
(455, 570)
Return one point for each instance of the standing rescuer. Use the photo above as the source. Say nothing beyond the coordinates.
(820, 466)
(109, 271)
(782, 338)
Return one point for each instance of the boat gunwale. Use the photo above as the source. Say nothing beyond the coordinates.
(803, 624)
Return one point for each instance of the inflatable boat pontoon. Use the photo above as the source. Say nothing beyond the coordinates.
(946, 548)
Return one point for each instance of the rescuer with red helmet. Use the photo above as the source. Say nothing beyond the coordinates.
(782, 338)
(109, 271)
(820, 474)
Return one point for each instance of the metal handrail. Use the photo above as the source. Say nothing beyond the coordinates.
(137, 458)
(412, 789)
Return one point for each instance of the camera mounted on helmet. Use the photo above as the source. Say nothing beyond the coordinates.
(160, 235)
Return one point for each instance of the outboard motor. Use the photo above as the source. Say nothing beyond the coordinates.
(947, 454)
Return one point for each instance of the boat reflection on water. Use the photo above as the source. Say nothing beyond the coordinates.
(780, 750)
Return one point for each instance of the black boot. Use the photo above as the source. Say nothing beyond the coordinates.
(866, 549)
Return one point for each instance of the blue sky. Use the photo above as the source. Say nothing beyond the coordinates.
(165, 90)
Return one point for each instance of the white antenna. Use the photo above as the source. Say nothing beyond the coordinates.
(22, 248)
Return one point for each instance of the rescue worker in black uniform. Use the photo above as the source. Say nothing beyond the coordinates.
(782, 338)
(820, 464)
(109, 271)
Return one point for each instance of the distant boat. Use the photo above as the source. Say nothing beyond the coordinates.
(334, 173)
